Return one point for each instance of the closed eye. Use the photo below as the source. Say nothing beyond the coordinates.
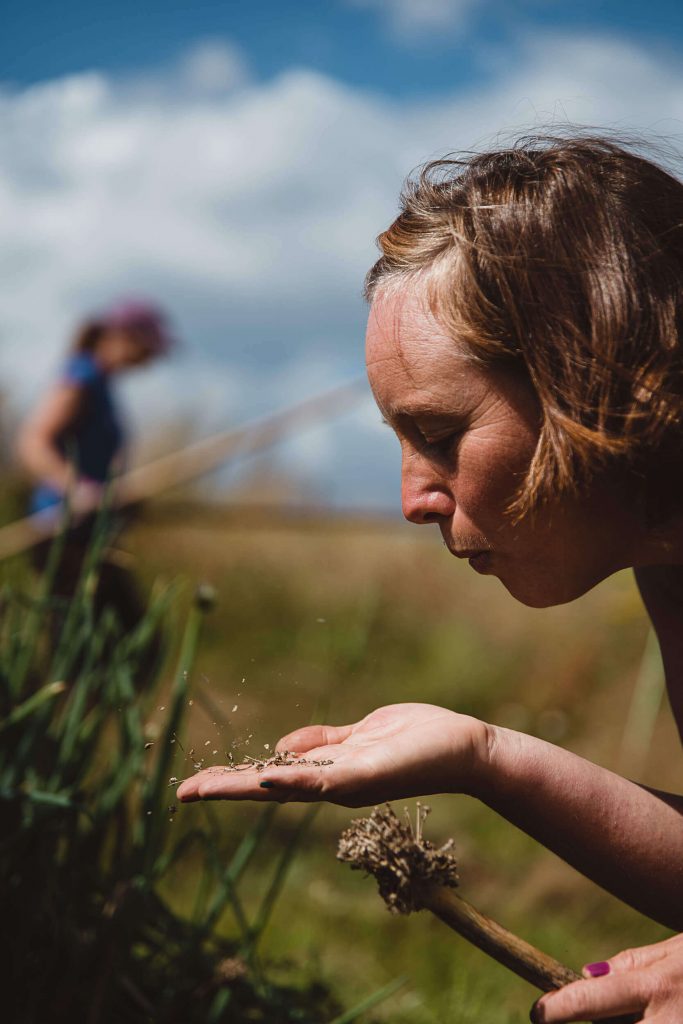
(443, 445)
(440, 446)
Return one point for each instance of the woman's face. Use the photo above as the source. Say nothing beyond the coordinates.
(119, 350)
(467, 436)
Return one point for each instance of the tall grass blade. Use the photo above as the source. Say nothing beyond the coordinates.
(283, 865)
(229, 879)
(31, 704)
(368, 1004)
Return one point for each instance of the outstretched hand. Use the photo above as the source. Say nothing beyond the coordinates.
(401, 750)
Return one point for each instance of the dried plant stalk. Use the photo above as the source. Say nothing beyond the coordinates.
(509, 949)
(412, 874)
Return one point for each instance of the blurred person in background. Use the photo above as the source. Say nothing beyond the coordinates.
(525, 344)
(74, 441)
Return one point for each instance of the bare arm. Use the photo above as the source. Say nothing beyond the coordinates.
(626, 838)
(37, 444)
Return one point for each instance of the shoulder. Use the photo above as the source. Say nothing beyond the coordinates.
(81, 369)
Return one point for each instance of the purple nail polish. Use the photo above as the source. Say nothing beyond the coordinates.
(267, 785)
(536, 1015)
(599, 969)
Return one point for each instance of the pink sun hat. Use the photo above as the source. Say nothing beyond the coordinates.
(146, 319)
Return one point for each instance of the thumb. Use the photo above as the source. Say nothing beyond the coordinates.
(312, 736)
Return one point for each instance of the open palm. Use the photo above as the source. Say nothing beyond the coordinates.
(401, 750)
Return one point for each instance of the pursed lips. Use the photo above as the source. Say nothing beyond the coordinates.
(464, 552)
(479, 558)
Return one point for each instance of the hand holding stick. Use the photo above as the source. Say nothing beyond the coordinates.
(413, 875)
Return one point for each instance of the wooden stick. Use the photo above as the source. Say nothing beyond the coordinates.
(534, 966)
(194, 461)
(412, 874)
(508, 949)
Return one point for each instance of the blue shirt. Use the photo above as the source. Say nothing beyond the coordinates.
(95, 437)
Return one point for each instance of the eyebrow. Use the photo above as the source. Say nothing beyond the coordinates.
(417, 412)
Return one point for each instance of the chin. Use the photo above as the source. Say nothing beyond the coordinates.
(535, 592)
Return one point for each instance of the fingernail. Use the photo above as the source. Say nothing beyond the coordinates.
(597, 970)
(536, 1014)
(267, 785)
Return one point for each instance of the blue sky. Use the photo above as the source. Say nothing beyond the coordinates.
(235, 161)
(347, 40)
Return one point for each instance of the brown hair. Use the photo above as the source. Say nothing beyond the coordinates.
(87, 336)
(562, 256)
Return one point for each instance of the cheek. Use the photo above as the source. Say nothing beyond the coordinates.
(487, 478)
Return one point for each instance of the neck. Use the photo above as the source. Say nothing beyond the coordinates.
(661, 545)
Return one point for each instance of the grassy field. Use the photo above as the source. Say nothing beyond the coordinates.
(324, 620)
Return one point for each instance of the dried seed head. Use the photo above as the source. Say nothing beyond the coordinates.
(205, 597)
(231, 969)
(399, 859)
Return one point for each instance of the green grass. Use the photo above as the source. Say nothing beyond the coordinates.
(88, 836)
(322, 620)
(326, 621)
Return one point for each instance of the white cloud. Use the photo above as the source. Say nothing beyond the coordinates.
(214, 65)
(407, 19)
(250, 210)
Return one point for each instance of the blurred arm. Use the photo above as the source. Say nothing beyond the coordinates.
(37, 443)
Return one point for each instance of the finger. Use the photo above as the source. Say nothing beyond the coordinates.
(592, 1000)
(276, 783)
(221, 782)
(630, 959)
(303, 740)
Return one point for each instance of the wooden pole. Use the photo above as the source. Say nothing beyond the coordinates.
(413, 874)
(196, 460)
(527, 962)
(509, 949)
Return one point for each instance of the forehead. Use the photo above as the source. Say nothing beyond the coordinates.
(411, 359)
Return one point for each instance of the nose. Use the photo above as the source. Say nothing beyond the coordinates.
(425, 496)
